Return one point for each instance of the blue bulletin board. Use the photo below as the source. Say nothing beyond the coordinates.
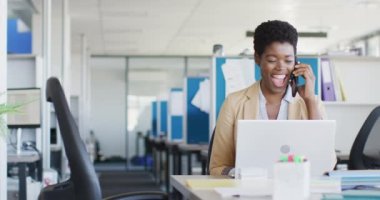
(163, 109)
(154, 119)
(176, 120)
(18, 41)
(196, 122)
(219, 86)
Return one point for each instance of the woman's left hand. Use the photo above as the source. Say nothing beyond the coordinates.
(306, 91)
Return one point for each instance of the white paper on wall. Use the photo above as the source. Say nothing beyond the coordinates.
(205, 100)
(176, 105)
(201, 99)
(238, 74)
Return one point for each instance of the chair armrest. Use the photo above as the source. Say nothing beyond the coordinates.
(143, 195)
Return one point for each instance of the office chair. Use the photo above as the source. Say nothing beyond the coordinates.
(365, 149)
(83, 183)
(209, 153)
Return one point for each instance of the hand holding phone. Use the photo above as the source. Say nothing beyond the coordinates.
(294, 80)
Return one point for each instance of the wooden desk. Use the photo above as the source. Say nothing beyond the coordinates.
(179, 183)
(22, 160)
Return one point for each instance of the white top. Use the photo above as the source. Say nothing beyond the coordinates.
(283, 113)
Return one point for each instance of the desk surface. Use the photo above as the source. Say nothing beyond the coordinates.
(204, 153)
(24, 156)
(179, 183)
(192, 147)
(158, 140)
(172, 143)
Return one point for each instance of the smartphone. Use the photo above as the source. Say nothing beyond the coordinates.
(294, 79)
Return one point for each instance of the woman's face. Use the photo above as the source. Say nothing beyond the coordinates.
(276, 63)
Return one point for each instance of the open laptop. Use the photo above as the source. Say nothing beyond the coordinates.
(260, 143)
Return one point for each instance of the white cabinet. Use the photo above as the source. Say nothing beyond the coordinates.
(24, 71)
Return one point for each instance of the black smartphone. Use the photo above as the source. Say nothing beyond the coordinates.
(294, 79)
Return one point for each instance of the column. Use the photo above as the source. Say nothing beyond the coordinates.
(46, 49)
(3, 88)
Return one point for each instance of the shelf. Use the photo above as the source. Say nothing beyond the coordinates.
(20, 56)
(353, 58)
(346, 103)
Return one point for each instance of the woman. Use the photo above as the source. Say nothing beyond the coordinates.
(275, 44)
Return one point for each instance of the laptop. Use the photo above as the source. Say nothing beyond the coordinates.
(260, 143)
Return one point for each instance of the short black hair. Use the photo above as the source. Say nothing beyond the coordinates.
(274, 31)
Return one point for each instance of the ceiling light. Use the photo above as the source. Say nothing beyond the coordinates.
(366, 3)
(300, 34)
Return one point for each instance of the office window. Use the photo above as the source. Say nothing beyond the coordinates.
(139, 112)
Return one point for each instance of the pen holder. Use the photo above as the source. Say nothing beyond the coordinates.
(291, 180)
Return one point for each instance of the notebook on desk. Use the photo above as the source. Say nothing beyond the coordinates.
(260, 143)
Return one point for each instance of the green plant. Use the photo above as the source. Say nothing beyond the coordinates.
(5, 109)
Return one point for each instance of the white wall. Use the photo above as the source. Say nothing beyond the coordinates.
(108, 104)
(75, 74)
(149, 77)
(56, 37)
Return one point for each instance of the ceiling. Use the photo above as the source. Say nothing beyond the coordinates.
(192, 27)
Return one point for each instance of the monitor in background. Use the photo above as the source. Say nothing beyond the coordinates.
(53, 136)
(260, 143)
(29, 115)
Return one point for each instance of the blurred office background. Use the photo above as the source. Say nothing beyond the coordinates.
(117, 56)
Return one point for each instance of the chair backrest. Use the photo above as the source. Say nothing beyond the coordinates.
(209, 153)
(365, 149)
(83, 180)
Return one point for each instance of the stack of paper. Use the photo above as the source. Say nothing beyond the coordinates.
(357, 179)
(353, 195)
(325, 185)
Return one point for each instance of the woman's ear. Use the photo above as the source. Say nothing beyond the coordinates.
(257, 59)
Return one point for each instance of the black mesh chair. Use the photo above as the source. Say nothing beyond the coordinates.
(209, 152)
(83, 183)
(365, 151)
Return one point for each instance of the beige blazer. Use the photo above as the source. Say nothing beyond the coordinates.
(243, 104)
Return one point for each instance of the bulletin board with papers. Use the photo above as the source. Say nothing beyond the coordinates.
(175, 114)
(229, 74)
(196, 116)
(162, 117)
(154, 119)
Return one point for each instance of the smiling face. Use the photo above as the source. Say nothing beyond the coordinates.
(276, 63)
